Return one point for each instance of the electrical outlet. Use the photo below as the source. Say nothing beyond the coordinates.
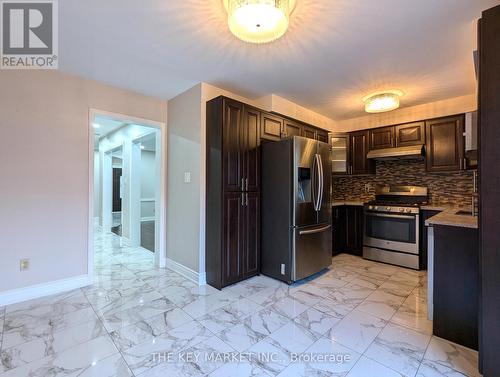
(24, 264)
(187, 177)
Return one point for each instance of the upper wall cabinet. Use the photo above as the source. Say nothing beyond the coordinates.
(271, 127)
(309, 132)
(381, 138)
(233, 140)
(322, 136)
(359, 145)
(445, 144)
(250, 148)
(339, 143)
(410, 134)
(292, 128)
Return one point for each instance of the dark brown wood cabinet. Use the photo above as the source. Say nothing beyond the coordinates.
(250, 149)
(241, 236)
(233, 191)
(271, 127)
(445, 148)
(233, 242)
(410, 134)
(489, 191)
(456, 285)
(232, 146)
(309, 132)
(381, 138)
(358, 145)
(322, 136)
(251, 227)
(292, 128)
(348, 230)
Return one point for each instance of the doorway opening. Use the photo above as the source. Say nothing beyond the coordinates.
(128, 186)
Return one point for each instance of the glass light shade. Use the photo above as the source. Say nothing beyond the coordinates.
(381, 102)
(258, 21)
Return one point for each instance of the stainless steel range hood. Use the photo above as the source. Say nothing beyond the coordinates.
(399, 153)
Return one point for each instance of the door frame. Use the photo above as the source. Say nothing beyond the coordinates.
(161, 245)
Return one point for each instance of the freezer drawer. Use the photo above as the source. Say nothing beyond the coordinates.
(312, 250)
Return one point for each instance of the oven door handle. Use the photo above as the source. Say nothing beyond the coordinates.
(391, 216)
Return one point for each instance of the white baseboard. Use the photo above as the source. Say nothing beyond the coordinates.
(44, 289)
(152, 218)
(196, 277)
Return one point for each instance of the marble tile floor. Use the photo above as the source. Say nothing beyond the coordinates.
(357, 319)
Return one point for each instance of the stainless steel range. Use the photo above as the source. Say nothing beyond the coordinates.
(392, 225)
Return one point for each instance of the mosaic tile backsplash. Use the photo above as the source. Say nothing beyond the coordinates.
(450, 188)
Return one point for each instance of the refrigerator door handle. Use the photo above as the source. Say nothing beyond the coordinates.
(314, 231)
(313, 183)
(322, 182)
(318, 178)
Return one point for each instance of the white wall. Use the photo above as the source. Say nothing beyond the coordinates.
(183, 211)
(44, 195)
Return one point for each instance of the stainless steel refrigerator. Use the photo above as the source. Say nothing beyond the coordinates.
(296, 208)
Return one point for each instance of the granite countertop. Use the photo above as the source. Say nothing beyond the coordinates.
(437, 207)
(449, 217)
(338, 203)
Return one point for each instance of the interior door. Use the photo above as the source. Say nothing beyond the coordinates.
(305, 181)
(325, 212)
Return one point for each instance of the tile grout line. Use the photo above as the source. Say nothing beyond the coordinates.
(109, 335)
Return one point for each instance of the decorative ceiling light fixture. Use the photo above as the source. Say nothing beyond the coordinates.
(259, 21)
(382, 101)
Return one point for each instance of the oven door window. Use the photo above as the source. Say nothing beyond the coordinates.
(391, 227)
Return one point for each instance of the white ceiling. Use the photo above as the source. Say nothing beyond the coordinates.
(335, 52)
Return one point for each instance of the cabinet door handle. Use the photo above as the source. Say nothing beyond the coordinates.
(242, 199)
(474, 184)
(242, 184)
(461, 163)
(246, 199)
(246, 184)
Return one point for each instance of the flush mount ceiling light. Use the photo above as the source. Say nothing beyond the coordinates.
(382, 101)
(259, 21)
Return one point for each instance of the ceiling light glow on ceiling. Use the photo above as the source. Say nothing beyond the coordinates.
(258, 21)
(382, 101)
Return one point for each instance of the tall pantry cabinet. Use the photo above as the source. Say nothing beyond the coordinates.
(233, 192)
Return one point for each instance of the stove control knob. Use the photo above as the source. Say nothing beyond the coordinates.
(408, 210)
(370, 207)
(375, 208)
(388, 209)
(402, 210)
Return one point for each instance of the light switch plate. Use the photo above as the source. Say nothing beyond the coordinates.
(24, 264)
(187, 177)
